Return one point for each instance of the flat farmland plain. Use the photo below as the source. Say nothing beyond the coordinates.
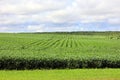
(59, 50)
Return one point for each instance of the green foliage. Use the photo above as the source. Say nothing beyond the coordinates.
(60, 50)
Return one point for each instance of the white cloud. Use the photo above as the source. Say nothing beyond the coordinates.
(64, 10)
(59, 11)
(4, 29)
(31, 6)
(114, 21)
(88, 11)
(45, 28)
(36, 28)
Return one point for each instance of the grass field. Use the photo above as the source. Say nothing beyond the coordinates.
(62, 54)
(77, 74)
(59, 50)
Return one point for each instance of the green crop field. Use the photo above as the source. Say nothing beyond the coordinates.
(59, 50)
(77, 74)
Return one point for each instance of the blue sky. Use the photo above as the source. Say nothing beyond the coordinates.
(59, 15)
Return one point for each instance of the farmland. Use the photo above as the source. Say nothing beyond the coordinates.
(59, 50)
(74, 74)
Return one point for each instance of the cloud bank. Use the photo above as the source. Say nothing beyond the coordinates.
(59, 15)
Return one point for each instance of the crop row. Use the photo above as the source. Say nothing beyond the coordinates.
(38, 51)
